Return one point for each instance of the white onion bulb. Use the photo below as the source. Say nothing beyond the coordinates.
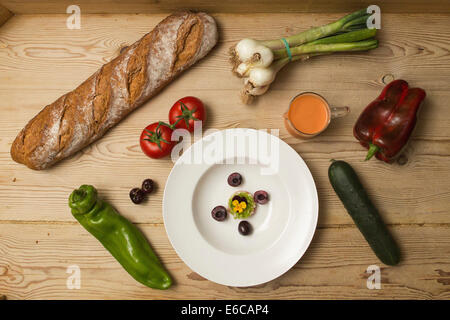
(260, 77)
(246, 48)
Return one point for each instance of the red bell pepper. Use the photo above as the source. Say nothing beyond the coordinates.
(386, 124)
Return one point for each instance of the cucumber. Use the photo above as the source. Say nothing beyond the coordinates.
(349, 189)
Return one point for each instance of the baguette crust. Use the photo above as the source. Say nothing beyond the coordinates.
(83, 115)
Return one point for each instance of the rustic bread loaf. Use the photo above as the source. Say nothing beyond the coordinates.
(83, 115)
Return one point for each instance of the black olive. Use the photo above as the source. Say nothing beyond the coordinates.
(234, 179)
(245, 228)
(219, 213)
(148, 185)
(137, 195)
(261, 197)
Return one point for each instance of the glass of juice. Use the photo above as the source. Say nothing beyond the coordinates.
(310, 114)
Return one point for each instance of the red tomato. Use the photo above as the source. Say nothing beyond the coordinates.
(155, 140)
(185, 111)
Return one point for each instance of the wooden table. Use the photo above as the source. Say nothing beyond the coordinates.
(40, 59)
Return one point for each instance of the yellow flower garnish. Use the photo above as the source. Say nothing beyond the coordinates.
(238, 207)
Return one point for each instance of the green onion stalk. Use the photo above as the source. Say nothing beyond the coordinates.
(259, 61)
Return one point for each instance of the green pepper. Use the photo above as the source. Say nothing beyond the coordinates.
(119, 236)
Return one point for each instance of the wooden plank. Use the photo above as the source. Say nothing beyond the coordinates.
(417, 50)
(34, 260)
(230, 6)
(417, 192)
(5, 14)
(400, 200)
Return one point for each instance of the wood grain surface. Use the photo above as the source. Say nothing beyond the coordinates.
(35, 258)
(229, 6)
(40, 59)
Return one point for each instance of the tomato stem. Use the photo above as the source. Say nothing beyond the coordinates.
(170, 126)
(156, 136)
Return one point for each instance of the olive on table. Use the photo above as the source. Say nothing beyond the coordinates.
(137, 195)
(244, 228)
(234, 179)
(148, 186)
(219, 213)
(261, 197)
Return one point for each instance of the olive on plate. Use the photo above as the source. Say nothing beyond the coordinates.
(219, 213)
(234, 179)
(245, 228)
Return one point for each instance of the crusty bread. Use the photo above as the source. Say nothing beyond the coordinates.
(83, 115)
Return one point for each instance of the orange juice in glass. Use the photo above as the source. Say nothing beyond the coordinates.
(310, 114)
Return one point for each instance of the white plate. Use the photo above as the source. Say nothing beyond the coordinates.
(282, 228)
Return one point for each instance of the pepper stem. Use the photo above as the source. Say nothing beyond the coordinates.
(372, 150)
(82, 200)
(78, 195)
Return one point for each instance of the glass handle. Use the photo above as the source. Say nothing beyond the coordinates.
(338, 112)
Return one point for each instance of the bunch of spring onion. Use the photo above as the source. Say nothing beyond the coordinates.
(258, 62)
